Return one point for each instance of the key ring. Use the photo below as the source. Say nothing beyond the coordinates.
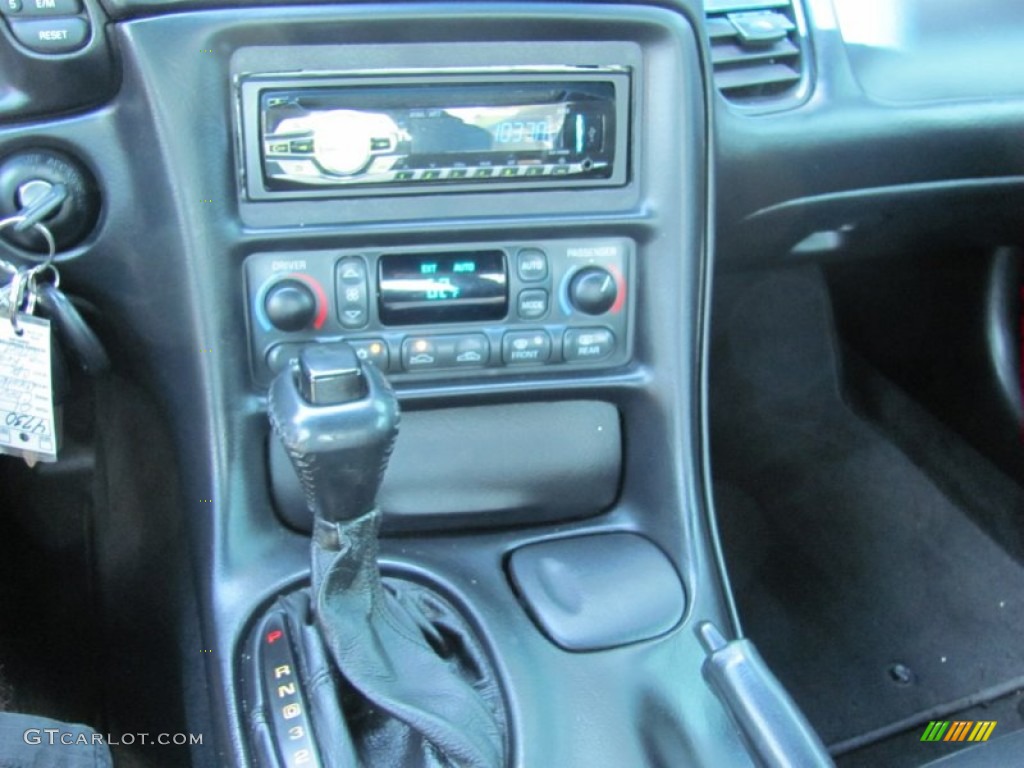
(42, 229)
(23, 281)
(33, 274)
(16, 297)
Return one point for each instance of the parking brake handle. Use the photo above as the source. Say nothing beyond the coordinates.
(774, 729)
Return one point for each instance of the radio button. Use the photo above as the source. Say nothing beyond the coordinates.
(430, 175)
(405, 176)
(532, 304)
(560, 170)
(532, 265)
(525, 347)
(537, 170)
(353, 294)
(483, 173)
(304, 146)
(458, 173)
(509, 171)
(584, 345)
(419, 353)
(372, 350)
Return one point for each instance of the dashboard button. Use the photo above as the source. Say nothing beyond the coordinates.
(51, 35)
(419, 353)
(41, 7)
(280, 356)
(470, 351)
(584, 345)
(524, 347)
(353, 293)
(532, 265)
(532, 304)
(372, 350)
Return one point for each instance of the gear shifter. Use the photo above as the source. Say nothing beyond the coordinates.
(338, 423)
(426, 693)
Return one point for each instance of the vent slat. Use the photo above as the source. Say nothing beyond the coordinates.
(732, 53)
(719, 27)
(762, 74)
(756, 49)
(729, 6)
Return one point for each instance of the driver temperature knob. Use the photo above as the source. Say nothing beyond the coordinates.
(593, 290)
(290, 305)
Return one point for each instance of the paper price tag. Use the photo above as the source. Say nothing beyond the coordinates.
(26, 391)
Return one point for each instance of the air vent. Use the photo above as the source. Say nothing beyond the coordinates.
(756, 49)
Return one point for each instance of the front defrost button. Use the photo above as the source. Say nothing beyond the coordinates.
(521, 347)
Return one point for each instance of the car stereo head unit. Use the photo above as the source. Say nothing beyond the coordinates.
(311, 136)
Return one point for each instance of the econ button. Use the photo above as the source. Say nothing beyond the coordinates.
(51, 35)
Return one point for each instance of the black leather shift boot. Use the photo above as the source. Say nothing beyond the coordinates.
(426, 693)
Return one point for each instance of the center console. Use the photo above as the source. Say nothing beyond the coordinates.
(503, 210)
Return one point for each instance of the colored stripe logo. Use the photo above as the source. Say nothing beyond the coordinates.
(958, 730)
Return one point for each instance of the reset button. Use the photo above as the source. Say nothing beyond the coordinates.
(51, 35)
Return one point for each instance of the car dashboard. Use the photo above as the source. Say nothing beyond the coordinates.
(530, 217)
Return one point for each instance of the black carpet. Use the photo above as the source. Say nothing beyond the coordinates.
(846, 557)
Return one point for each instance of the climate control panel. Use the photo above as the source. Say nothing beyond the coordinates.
(483, 309)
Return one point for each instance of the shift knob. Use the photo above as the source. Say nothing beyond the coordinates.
(338, 419)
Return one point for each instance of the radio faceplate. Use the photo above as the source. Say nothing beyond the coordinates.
(479, 310)
(429, 132)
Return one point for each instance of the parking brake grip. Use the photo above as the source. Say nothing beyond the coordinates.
(428, 695)
(774, 729)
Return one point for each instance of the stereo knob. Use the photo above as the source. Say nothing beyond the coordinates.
(290, 305)
(593, 290)
(343, 140)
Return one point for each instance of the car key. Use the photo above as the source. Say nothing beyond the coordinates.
(79, 338)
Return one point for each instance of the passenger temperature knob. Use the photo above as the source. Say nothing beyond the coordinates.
(593, 290)
(290, 305)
